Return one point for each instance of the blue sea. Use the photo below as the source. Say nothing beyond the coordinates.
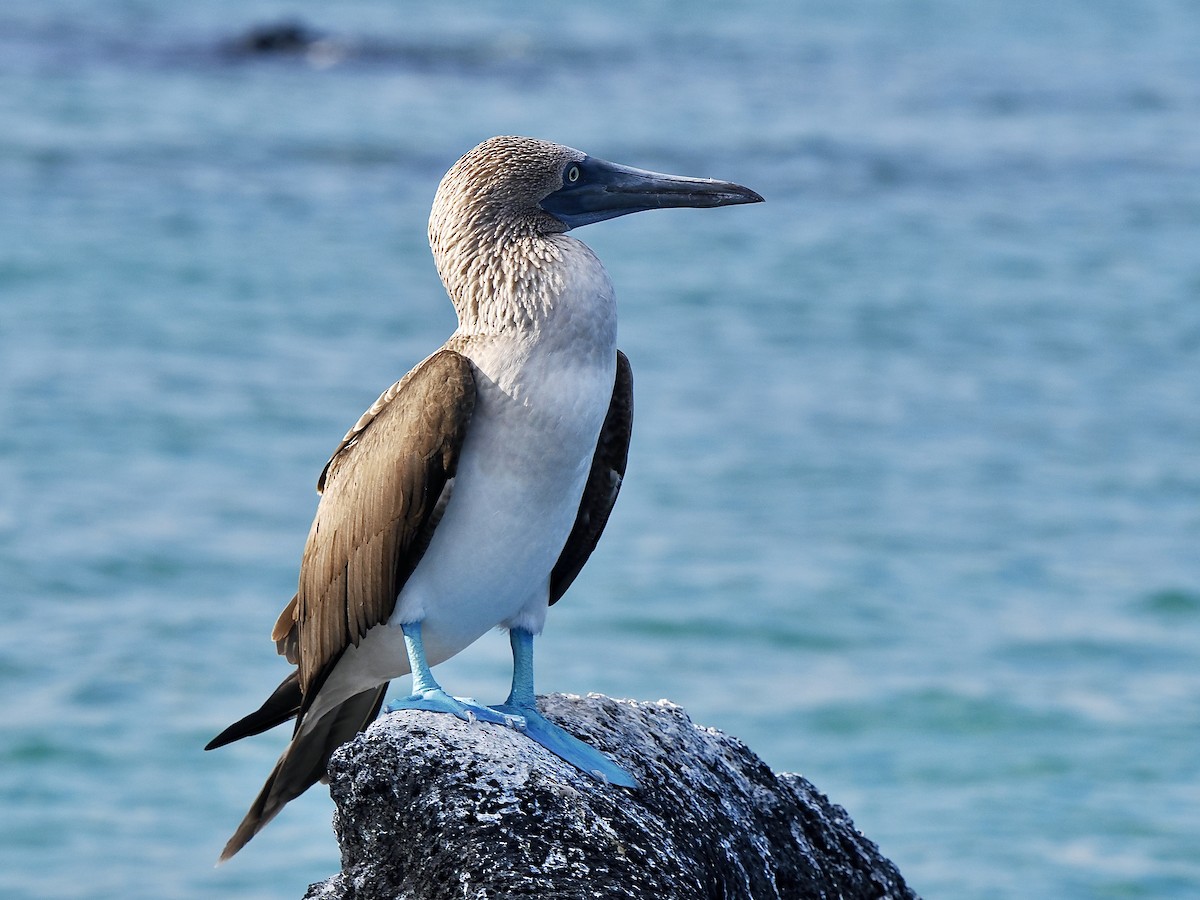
(913, 502)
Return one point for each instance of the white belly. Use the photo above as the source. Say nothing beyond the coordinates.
(520, 477)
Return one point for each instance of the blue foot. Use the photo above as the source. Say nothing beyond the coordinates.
(437, 700)
(565, 746)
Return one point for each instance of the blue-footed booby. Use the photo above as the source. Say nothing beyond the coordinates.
(472, 492)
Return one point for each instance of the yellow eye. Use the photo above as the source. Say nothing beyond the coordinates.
(572, 174)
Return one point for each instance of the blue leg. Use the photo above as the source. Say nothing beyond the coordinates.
(521, 711)
(427, 694)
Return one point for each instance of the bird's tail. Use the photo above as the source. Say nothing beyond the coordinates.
(303, 762)
(282, 705)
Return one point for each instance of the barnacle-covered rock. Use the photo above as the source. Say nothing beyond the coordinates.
(432, 808)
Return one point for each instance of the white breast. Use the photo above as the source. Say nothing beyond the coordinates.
(543, 388)
(542, 395)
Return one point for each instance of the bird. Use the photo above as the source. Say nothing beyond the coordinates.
(472, 492)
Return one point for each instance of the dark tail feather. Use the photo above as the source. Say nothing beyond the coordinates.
(282, 705)
(303, 762)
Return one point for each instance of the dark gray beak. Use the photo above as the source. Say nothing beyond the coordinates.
(594, 190)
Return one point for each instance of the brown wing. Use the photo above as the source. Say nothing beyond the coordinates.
(603, 484)
(380, 492)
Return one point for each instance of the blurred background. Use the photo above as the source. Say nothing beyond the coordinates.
(913, 505)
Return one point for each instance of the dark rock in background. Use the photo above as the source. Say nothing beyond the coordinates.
(288, 36)
(430, 807)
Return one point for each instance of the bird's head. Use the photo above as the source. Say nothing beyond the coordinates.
(521, 185)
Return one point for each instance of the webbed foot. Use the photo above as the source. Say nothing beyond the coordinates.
(437, 700)
(565, 746)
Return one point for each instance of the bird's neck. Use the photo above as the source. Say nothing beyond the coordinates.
(527, 286)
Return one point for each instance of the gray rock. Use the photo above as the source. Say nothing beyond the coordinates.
(429, 807)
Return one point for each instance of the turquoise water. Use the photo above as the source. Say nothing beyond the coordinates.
(913, 504)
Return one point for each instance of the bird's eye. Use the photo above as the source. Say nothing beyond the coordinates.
(572, 174)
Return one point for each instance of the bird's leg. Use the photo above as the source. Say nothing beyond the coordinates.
(427, 694)
(520, 709)
(522, 695)
(423, 681)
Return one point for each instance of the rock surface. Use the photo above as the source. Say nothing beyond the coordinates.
(429, 807)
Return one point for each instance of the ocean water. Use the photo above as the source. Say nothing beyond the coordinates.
(913, 503)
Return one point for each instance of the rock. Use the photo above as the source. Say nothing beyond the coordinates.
(288, 36)
(429, 807)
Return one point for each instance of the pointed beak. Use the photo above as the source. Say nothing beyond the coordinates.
(604, 190)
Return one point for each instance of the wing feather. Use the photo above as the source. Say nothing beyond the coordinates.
(603, 483)
(379, 493)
